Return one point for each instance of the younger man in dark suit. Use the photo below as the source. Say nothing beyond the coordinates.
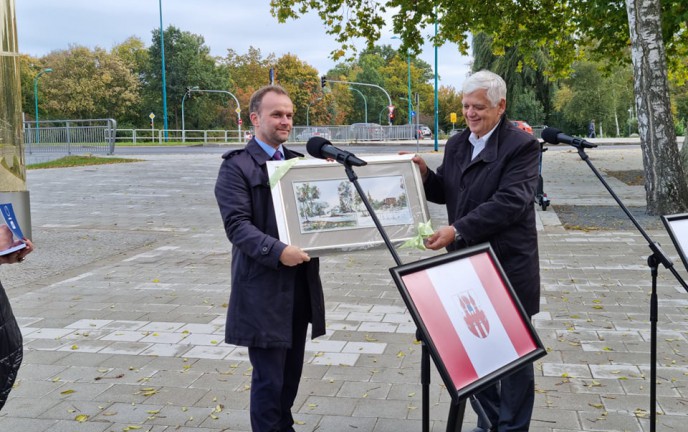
(276, 288)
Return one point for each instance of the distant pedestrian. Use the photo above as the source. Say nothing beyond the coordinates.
(591, 129)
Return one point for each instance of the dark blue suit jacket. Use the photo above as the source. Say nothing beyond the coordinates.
(262, 296)
(491, 199)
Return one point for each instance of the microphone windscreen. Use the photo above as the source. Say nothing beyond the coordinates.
(315, 145)
(549, 134)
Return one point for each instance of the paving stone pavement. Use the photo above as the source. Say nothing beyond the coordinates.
(123, 304)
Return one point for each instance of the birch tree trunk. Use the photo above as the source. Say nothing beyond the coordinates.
(665, 185)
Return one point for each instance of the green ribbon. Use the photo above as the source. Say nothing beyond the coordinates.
(282, 170)
(424, 231)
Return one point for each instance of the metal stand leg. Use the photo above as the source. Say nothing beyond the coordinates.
(455, 418)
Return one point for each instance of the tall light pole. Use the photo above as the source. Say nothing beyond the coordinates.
(308, 109)
(196, 89)
(437, 108)
(416, 129)
(409, 90)
(365, 102)
(389, 98)
(410, 107)
(35, 97)
(379, 116)
(188, 90)
(164, 81)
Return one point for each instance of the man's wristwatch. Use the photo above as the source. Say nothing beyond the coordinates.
(457, 236)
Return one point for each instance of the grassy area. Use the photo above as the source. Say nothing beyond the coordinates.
(84, 160)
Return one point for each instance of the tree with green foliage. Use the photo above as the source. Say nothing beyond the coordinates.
(395, 72)
(134, 54)
(369, 71)
(29, 67)
(529, 90)
(188, 63)
(87, 84)
(590, 93)
(247, 73)
(387, 68)
(303, 84)
(559, 29)
(449, 101)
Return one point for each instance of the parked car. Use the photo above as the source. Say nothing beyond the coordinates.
(366, 132)
(425, 131)
(311, 132)
(454, 132)
(523, 126)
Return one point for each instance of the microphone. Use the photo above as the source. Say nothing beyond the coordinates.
(555, 136)
(321, 148)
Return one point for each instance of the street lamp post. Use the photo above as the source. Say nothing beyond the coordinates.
(415, 128)
(389, 98)
(308, 109)
(196, 89)
(164, 82)
(188, 90)
(35, 98)
(437, 108)
(365, 102)
(379, 116)
(410, 107)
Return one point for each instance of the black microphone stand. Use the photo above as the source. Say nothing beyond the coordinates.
(425, 353)
(657, 257)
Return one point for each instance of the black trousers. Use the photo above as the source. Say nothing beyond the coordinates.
(509, 403)
(277, 373)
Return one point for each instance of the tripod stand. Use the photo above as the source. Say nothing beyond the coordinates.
(425, 355)
(656, 258)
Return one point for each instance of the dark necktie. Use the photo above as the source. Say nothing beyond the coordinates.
(277, 155)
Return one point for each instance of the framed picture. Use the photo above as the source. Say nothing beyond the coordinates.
(318, 208)
(469, 317)
(677, 226)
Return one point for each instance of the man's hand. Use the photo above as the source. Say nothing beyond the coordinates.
(442, 238)
(292, 255)
(420, 162)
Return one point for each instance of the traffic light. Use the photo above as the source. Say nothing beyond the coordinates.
(391, 114)
(323, 81)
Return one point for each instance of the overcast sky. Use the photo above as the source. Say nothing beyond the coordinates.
(47, 25)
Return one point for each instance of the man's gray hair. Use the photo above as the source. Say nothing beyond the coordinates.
(486, 80)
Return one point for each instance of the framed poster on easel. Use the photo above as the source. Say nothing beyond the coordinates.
(469, 317)
(677, 226)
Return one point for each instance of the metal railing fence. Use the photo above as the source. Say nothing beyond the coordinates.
(101, 135)
(190, 137)
(70, 136)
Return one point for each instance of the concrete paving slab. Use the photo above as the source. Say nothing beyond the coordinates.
(132, 267)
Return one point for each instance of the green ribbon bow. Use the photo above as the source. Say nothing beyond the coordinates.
(282, 170)
(424, 231)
